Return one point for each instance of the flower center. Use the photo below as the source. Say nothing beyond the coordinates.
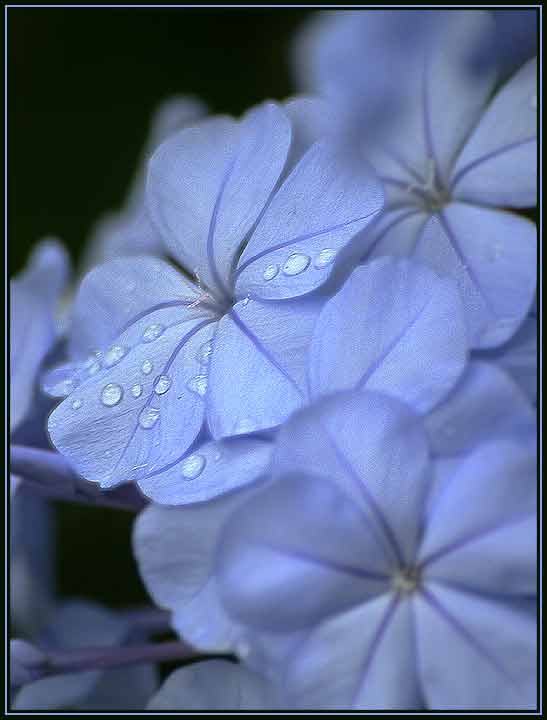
(430, 192)
(406, 580)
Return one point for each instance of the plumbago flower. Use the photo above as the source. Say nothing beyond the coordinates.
(452, 162)
(213, 685)
(258, 209)
(402, 592)
(413, 348)
(129, 231)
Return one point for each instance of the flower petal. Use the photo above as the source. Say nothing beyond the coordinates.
(475, 653)
(321, 206)
(297, 552)
(384, 470)
(498, 164)
(213, 685)
(257, 375)
(208, 185)
(492, 256)
(411, 347)
(496, 488)
(363, 659)
(484, 405)
(174, 548)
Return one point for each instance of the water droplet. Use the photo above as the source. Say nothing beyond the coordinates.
(245, 301)
(93, 363)
(76, 404)
(295, 264)
(198, 385)
(147, 367)
(152, 332)
(149, 417)
(205, 352)
(270, 272)
(67, 386)
(111, 394)
(113, 355)
(217, 456)
(534, 102)
(192, 466)
(162, 384)
(325, 257)
(136, 390)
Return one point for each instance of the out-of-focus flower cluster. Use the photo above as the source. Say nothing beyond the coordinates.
(304, 354)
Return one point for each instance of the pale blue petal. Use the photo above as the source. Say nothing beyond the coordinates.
(310, 121)
(137, 412)
(297, 552)
(412, 347)
(495, 488)
(475, 654)
(375, 449)
(212, 469)
(174, 549)
(492, 256)
(485, 405)
(257, 374)
(498, 163)
(321, 206)
(213, 685)
(208, 185)
(518, 357)
(363, 659)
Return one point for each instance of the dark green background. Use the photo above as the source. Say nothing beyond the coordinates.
(82, 85)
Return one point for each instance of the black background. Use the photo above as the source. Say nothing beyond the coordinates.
(82, 85)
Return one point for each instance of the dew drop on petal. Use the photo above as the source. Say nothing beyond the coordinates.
(152, 332)
(148, 417)
(192, 466)
(162, 384)
(113, 355)
(205, 352)
(76, 404)
(325, 257)
(198, 385)
(111, 394)
(147, 367)
(296, 264)
(270, 272)
(245, 301)
(136, 390)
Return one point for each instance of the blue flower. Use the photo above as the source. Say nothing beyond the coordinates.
(407, 583)
(452, 160)
(258, 210)
(214, 685)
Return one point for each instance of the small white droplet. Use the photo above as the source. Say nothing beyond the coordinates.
(205, 352)
(113, 355)
(217, 456)
(270, 272)
(147, 367)
(534, 102)
(93, 363)
(245, 301)
(295, 264)
(198, 385)
(76, 404)
(136, 390)
(111, 394)
(152, 332)
(162, 384)
(325, 257)
(192, 466)
(149, 417)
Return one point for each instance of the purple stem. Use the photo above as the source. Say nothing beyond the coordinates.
(49, 474)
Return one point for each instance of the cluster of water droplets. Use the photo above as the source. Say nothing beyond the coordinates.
(298, 262)
(198, 383)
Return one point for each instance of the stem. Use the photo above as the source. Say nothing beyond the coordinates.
(49, 474)
(100, 658)
(148, 619)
